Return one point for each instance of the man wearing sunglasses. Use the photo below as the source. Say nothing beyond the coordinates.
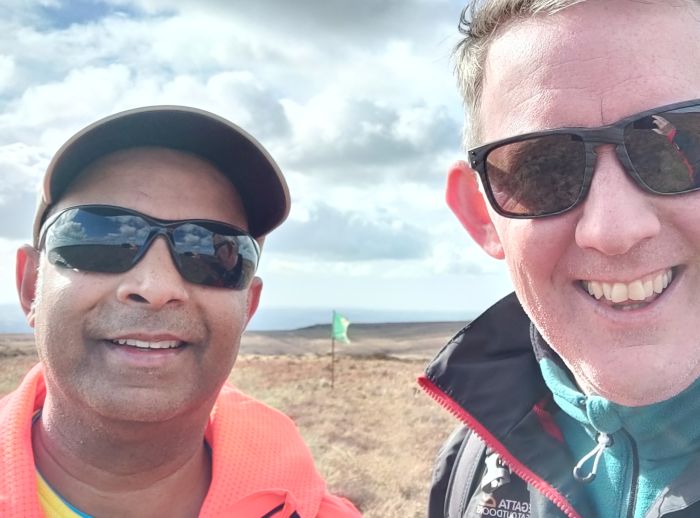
(139, 283)
(580, 393)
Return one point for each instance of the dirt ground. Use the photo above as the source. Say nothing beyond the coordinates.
(374, 435)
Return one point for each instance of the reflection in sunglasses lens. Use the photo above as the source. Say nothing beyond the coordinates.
(665, 150)
(537, 176)
(109, 239)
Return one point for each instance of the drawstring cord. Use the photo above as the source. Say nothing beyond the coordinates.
(604, 441)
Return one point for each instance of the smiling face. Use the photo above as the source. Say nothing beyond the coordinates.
(144, 345)
(633, 344)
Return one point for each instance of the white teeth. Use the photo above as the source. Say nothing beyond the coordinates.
(637, 290)
(658, 284)
(618, 292)
(165, 344)
(595, 289)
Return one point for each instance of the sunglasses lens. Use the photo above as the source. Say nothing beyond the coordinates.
(665, 150)
(537, 176)
(98, 239)
(111, 240)
(212, 255)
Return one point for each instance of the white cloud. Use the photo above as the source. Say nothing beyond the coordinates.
(20, 167)
(7, 71)
(80, 95)
(335, 235)
(354, 139)
(355, 100)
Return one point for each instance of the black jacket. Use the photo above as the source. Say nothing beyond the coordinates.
(509, 459)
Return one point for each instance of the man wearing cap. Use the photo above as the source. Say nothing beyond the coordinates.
(139, 284)
(579, 395)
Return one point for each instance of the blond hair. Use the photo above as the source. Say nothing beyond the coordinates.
(478, 24)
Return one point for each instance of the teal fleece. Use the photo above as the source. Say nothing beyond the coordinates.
(663, 434)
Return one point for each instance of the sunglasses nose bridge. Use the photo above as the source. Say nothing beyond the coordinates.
(614, 135)
(153, 235)
(599, 145)
(611, 160)
(156, 231)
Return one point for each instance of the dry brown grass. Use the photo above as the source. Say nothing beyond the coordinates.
(374, 435)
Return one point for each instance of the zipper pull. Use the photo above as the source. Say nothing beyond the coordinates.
(497, 473)
(604, 441)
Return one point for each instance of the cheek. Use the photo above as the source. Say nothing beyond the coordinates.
(232, 308)
(55, 296)
(226, 316)
(683, 218)
(67, 294)
(527, 255)
(65, 301)
(225, 319)
(55, 312)
(536, 255)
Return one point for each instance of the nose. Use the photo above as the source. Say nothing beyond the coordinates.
(617, 214)
(154, 280)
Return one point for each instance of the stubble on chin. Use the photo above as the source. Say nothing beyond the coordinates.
(625, 379)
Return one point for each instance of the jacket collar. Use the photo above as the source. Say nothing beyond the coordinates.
(489, 371)
(488, 376)
(490, 362)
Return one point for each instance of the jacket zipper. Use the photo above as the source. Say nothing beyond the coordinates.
(516, 466)
(632, 501)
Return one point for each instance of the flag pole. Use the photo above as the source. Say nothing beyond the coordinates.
(332, 362)
(332, 354)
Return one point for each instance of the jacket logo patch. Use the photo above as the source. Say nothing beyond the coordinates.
(503, 508)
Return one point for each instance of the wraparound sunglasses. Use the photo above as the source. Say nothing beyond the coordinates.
(550, 172)
(109, 239)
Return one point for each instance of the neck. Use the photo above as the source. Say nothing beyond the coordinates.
(664, 430)
(109, 467)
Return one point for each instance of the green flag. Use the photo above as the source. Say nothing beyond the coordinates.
(340, 328)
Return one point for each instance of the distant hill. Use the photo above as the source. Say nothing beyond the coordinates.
(399, 340)
(12, 319)
(402, 340)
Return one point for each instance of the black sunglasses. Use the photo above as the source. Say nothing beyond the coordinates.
(108, 239)
(550, 172)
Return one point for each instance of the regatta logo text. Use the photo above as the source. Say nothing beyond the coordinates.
(504, 509)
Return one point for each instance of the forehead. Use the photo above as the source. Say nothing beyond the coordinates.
(589, 65)
(164, 183)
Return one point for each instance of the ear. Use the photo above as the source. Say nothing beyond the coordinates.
(26, 275)
(253, 300)
(468, 204)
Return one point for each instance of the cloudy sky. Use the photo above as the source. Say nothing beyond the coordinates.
(355, 99)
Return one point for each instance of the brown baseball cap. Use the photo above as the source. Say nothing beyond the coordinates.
(236, 153)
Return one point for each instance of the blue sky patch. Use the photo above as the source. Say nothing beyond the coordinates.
(80, 12)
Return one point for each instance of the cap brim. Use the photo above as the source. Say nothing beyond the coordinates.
(239, 156)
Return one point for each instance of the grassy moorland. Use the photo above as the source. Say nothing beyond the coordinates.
(374, 435)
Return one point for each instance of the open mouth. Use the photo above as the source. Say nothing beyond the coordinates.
(141, 344)
(630, 295)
